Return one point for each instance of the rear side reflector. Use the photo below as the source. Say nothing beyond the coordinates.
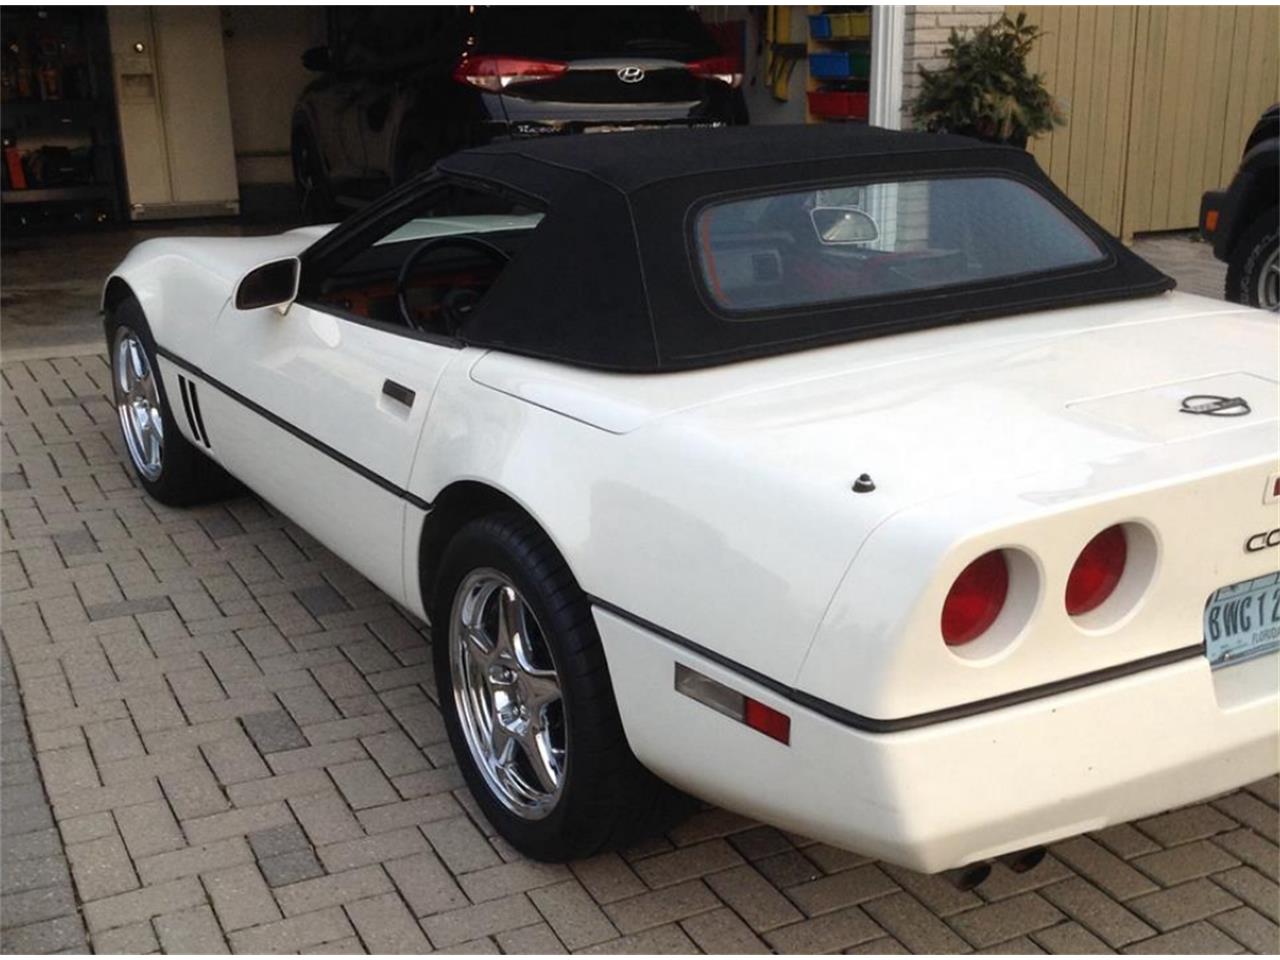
(975, 599)
(1210, 221)
(1097, 571)
(737, 706)
(724, 68)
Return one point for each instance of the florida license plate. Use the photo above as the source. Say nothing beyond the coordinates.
(1242, 621)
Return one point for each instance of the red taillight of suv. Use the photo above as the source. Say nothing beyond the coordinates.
(495, 73)
(975, 599)
(1097, 571)
(726, 69)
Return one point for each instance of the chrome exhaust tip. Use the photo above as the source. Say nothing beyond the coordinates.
(968, 877)
(1020, 861)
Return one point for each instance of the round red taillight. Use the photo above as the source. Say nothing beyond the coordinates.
(975, 599)
(1097, 571)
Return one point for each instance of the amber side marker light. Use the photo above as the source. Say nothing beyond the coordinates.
(1097, 571)
(736, 706)
(1211, 221)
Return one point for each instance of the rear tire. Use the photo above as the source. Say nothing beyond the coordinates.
(168, 466)
(594, 794)
(1253, 272)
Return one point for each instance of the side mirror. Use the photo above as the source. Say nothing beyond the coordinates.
(317, 59)
(837, 225)
(274, 284)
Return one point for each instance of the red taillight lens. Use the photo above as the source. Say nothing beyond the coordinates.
(726, 69)
(975, 599)
(1097, 571)
(494, 73)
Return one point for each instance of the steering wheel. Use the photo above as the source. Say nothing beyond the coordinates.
(456, 303)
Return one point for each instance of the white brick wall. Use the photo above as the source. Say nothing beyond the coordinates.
(927, 30)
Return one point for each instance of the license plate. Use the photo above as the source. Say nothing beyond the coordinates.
(1242, 621)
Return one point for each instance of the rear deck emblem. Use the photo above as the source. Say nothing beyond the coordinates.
(631, 74)
(1214, 406)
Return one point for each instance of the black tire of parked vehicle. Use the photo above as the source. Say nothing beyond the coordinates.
(608, 799)
(187, 476)
(1253, 251)
(316, 200)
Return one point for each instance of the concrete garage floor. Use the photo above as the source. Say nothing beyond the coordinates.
(218, 736)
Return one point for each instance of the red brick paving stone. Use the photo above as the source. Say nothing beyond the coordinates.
(938, 894)
(723, 932)
(1185, 825)
(448, 930)
(1070, 938)
(918, 929)
(1183, 904)
(998, 922)
(1099, 865)
(190, 931)
(1197, 938)
(661, 906)
(576, 919)
(1258, 852)
(426, 885)
(240, 897)
(667, 939)
(1253, 888)
(825, 934)
(841, 890)
(386, 925)
(756, 900)
(607, 877)
(1251, 812)
(1250, 928)
(687, 863)
(1084, 902)
(294, 933)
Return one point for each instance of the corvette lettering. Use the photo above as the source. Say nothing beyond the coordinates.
(1261, 541)
(1210, 405)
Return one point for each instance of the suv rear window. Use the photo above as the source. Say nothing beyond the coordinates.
(830, 245)
(568, 33)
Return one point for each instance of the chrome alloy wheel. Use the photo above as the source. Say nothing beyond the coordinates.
(1269, 282)
(508, 694)
(138, 403)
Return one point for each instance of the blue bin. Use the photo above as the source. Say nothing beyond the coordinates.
(820, 26)
(838, 66)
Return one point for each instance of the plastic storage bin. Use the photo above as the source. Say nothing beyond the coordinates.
(820, 26)
(849, 26)
(839, 104)
(839, 65)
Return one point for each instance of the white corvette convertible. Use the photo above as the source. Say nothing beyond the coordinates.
(853, 480)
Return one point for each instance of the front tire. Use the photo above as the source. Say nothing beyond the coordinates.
(167, 465)
(1253, 273)
(527, 700)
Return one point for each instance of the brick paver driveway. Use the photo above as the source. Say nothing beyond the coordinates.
(239, 748)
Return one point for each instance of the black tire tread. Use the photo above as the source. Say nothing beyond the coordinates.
(1250, 252)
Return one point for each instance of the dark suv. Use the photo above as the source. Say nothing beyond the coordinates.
(403, 86)
(1243, 221)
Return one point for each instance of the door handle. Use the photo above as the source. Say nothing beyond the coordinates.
(398, 392)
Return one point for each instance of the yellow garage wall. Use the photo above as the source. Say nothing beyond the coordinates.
(1159, 102)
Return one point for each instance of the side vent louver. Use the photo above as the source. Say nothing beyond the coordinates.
(191, 404)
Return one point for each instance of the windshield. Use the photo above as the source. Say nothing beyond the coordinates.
(855, 242)
(568, 33)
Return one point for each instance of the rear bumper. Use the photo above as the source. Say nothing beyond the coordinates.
(955, 792)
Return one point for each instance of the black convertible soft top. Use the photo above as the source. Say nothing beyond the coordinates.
(611, 279)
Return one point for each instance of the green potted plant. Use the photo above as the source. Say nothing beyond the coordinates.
(986, 90)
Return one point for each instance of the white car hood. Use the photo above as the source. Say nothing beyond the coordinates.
(939, 410)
